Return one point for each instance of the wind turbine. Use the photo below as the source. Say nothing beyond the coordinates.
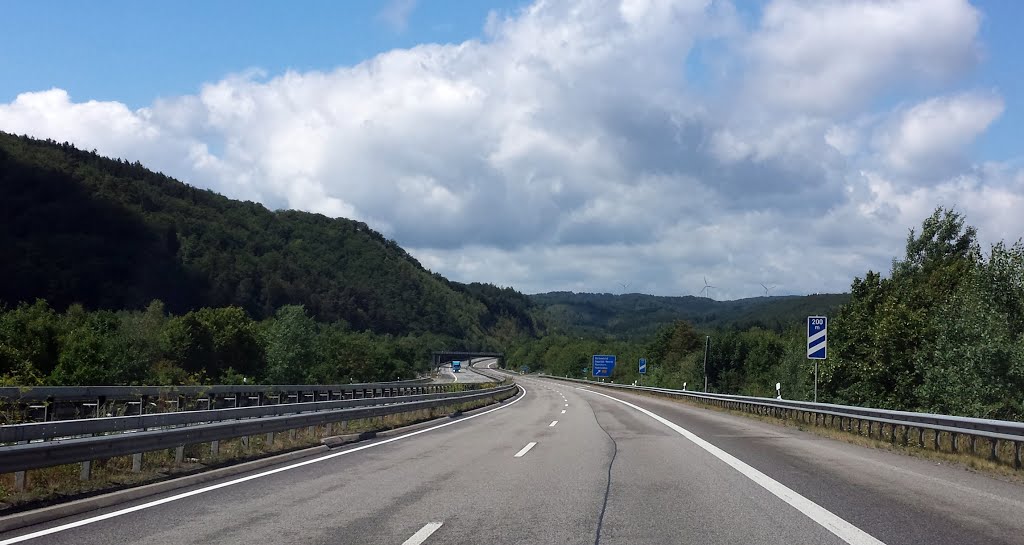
(707, 287)
(767, 289)
(625, 286)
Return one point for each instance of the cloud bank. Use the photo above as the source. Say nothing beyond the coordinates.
(574, 147)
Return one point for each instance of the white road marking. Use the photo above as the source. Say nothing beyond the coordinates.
(563, 411)
(423, 533)
(190, 493)
(525, 449)
(827, 519)
(552, 424)
(566, 404)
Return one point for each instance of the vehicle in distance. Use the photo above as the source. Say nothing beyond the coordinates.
(456, 365)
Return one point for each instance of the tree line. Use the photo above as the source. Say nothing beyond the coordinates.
(943, 332)
(76, 227)
(41, 346)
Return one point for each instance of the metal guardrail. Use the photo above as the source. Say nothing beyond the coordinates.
(57, 429)
(46, 403)
(87, 393)
(995, 431)
(487, 373)
(133, 435)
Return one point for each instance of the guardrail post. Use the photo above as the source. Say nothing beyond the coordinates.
(179, 454)
(291, 434)
(937, 434)
(973, 441)
(1016, 455)
(953, 442)
(270, 438)
(20, 478)
(245, 442)
(215, 448)
(920, 437)
(137, 462)
(995, 447)
(86, 472)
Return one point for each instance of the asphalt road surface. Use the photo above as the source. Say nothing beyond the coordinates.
(467, 374)
(565, 464)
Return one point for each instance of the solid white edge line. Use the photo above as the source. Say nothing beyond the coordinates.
(190, 493)
(563, 411)
(825, 518)
(522, 452)
(566, 404)
(552, 424)
(422, 534)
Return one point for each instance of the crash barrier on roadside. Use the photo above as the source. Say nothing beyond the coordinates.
(46, 403)
(850, 418)
(45, 444)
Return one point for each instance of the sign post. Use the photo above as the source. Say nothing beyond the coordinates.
(602, 365)
(643, 369)
(817, 344)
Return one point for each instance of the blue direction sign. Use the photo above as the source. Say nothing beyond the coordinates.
(643, 366)
(603, 365)
(817, 337)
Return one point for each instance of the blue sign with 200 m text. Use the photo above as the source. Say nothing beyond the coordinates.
(817, 337)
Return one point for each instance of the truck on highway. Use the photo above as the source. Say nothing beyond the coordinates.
(456, 365)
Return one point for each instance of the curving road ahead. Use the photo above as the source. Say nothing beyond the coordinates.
(468, 373)
(565, 464)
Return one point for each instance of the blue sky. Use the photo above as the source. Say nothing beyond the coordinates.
(715, 142)
(134, 51)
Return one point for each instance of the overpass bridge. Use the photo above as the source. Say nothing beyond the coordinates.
(445, 356)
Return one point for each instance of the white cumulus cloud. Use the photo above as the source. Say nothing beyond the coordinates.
(935, 133)
(567, 149)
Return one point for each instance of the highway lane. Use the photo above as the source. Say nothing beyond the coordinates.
(466, 374)
(445, 374)
(598, 471)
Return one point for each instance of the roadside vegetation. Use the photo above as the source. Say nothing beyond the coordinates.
(943, 332)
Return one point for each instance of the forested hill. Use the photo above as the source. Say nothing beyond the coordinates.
(635, 315)
(76, 227)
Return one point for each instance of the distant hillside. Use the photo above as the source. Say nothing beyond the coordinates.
(634, 314)
(79, 228)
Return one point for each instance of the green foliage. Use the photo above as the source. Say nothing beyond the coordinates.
(209, 345)
(290, 345)
(637, 316)
(942, 334)
(79, 228)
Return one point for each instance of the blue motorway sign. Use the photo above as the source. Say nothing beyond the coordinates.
(602, 366)
(817, 337)
(643, 366)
